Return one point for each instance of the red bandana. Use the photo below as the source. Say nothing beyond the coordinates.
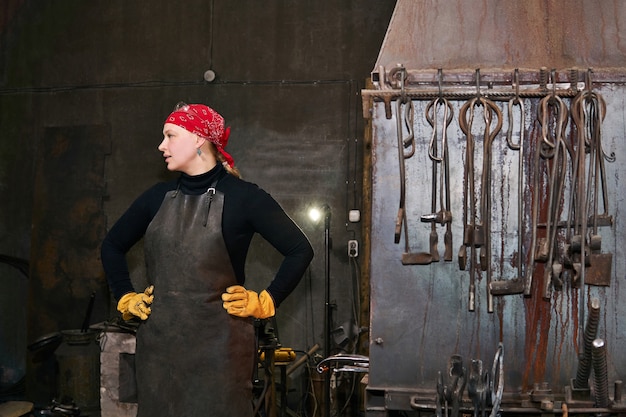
(205, 122)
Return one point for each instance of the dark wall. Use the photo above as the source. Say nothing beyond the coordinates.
(84, 89)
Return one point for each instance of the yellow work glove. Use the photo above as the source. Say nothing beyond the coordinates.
(245, 303)
(136, 305)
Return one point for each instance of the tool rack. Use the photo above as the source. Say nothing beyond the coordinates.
(421, 311)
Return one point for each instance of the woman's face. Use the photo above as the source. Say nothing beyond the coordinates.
(179, 147)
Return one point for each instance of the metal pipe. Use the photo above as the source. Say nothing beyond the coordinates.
(327, 311)
(303, 359)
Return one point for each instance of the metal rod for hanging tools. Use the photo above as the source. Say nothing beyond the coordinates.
(500, 79)
(420, 85)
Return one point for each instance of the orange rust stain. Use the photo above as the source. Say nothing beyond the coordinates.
(575, 312)
(537, 310)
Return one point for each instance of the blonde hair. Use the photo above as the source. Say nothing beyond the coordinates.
(220, 158)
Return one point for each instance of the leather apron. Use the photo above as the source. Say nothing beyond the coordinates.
(192, 358)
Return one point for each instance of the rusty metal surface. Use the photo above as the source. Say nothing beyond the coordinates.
(424, 315)
(456, 34)
(599, 272)
(419, 313)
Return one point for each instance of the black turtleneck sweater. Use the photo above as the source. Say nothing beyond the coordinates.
(247, 210)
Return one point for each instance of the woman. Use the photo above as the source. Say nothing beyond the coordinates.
(195, 349)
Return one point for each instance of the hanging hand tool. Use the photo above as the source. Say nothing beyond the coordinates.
(573, 238)
(575, 243)
(600, 263)
(539, 248)
(444, 215)
(595, 240)
(432, 152)
(469, 200)
(517, 284)
(482, 228)
(491, 109)
(552, 107)
(582, 108)
(534, 218)
(468, 183)
(408, 257)
(447, 238)
(596, 109)
(477, 235)
(587, 109)
(402, 144)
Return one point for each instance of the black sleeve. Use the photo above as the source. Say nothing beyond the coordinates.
(126, 232)
(274, 225)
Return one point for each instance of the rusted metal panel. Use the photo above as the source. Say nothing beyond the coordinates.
(426, 34)
(419, 313)
(423, 316)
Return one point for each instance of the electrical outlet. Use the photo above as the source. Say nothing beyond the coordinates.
(353, 248)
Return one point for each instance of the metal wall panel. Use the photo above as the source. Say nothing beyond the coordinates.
(419, 313)
(427, 34)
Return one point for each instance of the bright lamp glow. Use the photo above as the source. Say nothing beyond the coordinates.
(315, 214)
